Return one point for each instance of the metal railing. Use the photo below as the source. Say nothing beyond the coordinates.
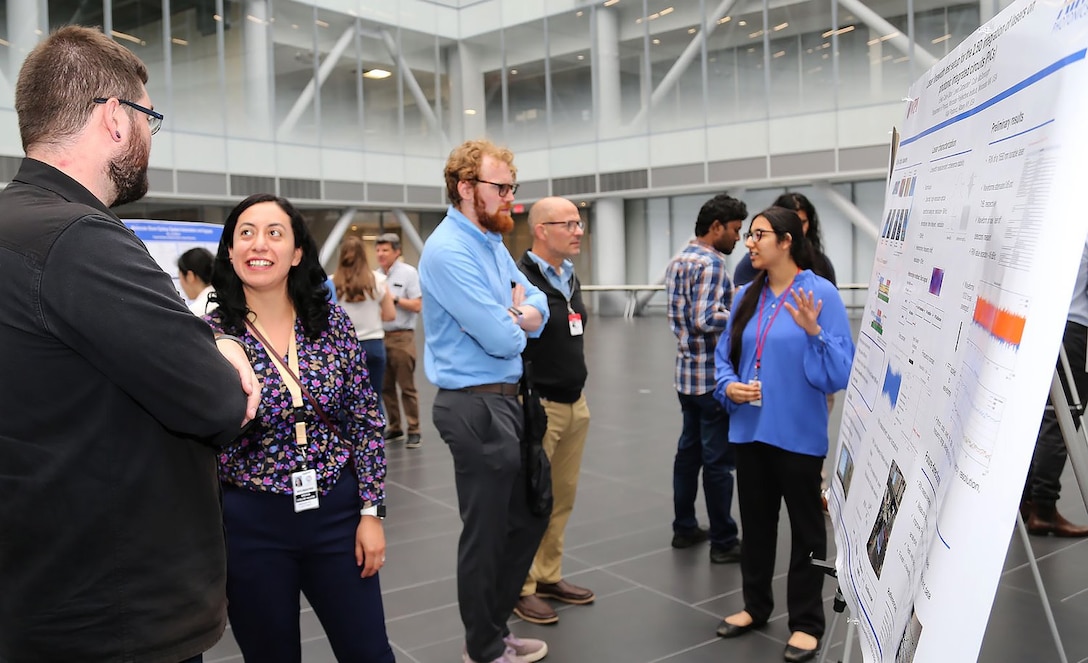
(633, 306)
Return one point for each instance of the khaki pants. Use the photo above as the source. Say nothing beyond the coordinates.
(400, 368)
(564, 441)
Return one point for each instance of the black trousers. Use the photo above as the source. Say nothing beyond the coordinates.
(1043, 485)
(767, 475)
(273, 553)
(499, 535)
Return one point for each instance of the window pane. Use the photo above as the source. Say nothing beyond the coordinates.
(572, 78)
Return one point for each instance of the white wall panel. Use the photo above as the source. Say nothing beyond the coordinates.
(201, 153)
(736, 141)
(678, 147)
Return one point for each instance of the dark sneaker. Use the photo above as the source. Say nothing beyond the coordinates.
(391, 435)
(414, 441)
(689, 539)
(730, 555)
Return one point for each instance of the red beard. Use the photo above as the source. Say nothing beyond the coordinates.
(500, 222)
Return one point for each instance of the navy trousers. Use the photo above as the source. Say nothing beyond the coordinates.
(274, 553)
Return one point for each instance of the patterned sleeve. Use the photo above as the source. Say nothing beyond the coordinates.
(710, 315)
(359, 413)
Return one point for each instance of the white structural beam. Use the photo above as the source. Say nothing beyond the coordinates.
(850, 210)
(332, 242)
(409, 229)
(680, 66)
(413, 87)
(306, 97)
(883, 27)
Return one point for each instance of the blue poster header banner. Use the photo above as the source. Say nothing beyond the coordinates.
(174, 231)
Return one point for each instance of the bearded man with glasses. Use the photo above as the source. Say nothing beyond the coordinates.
(112, 545)
(478, 311)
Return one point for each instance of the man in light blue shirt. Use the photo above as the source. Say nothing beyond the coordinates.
(477, 310)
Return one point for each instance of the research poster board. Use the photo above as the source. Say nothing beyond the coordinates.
(981, 236)
(167, 240)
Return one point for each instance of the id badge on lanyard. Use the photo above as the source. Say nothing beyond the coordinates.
(304, 490)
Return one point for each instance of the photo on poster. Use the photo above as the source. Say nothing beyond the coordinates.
(845, 469)
(877, 547)
(935, 281)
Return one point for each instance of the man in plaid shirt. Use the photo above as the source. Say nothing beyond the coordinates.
(700, 294)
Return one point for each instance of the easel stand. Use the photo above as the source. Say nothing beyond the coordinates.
(839, 606)
(1077, 445)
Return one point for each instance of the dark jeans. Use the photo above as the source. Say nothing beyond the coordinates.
(499, 535)
(766, 476)
(1043, 485)
(704, 445)
(375, 365)
(274, 553)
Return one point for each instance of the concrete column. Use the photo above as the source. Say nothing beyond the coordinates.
(609, 253)
(256, 47)
(467, 101)
(608, 97)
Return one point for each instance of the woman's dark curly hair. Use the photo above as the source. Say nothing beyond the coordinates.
(305, 282)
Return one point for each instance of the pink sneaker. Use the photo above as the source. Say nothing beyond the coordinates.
(508, 656)
(528, 649)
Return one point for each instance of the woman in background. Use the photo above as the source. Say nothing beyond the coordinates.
(773, 373)
(363, 294)
(195, 274)
(303, 485)
(804, 208)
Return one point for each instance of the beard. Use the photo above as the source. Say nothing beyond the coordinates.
(128, 172)
(500, 222)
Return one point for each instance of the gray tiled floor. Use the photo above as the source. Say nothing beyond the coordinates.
(654, 603)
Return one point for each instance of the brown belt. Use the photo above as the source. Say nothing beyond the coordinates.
(399, 331)
(500, 388)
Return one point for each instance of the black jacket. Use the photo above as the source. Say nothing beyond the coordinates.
(111, 395)
(559, 360)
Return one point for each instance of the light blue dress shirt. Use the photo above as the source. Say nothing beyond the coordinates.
(560, 280)
(466, 276)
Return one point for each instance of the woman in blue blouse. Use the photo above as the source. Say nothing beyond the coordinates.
(303, 486)
(773, 374)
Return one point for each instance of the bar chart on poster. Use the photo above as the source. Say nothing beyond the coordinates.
(980, 240)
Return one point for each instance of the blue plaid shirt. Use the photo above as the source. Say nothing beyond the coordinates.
(700, 295)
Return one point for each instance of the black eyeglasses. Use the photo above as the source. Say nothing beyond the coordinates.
(154, 119)
(758, 233)
(571, 225)
(503, 188)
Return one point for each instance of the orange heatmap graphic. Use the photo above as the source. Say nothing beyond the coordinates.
(1002, 325)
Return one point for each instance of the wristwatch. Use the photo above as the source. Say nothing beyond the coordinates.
(376, 511)
(396, 300)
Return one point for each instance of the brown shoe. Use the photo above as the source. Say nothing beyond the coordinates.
(534, 609)
(565, 592)
(1047, 520)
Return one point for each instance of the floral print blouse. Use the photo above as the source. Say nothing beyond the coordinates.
(333, 369)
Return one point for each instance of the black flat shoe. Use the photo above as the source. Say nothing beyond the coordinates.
(727, 630)
(798, 655)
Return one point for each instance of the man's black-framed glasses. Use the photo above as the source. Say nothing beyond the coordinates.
(504, 189)
(571, 225)
(154, 118)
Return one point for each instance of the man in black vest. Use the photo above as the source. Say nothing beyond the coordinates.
(559, 373)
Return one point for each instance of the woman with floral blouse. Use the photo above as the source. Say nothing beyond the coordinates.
(304, 484)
